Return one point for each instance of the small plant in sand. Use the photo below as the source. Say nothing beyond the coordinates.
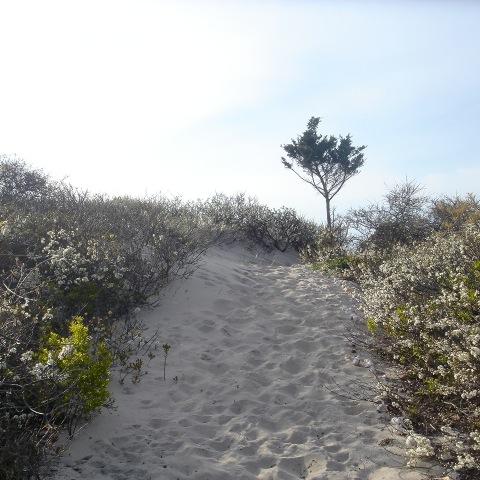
(166, 347)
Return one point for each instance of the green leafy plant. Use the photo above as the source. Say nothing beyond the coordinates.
(372, 325)
(83, 367)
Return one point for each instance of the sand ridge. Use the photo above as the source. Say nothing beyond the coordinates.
(256, 339)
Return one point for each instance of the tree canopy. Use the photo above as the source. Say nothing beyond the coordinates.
(324, 162)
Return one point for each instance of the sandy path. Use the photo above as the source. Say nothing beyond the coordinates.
(254, 341)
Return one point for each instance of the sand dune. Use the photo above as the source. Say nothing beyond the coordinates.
(257, 344)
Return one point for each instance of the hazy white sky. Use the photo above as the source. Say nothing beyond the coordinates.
(144, 96)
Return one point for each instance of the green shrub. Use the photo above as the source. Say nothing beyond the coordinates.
(341, 265)
(84, 367)
(372, 325)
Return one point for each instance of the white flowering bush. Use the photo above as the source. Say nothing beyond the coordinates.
(104, 255)
(422, 303)
(21, 414)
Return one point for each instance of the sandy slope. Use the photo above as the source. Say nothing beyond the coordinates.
(255, 340)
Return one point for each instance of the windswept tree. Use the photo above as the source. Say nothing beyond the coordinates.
(324, 162)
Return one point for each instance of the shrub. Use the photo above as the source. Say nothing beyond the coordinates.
(423, 306)
(331, 251)
(243, 218)
(44, 389)
(401, 219)
(30, 419)
(453, 213)
(281, 229)
(18, 183)
(83, 368)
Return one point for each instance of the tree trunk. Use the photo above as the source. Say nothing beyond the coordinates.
(331, 240)
(329, 218)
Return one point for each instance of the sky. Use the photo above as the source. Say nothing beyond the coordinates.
(196, 97)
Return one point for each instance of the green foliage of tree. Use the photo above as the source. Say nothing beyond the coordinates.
(324, 162)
